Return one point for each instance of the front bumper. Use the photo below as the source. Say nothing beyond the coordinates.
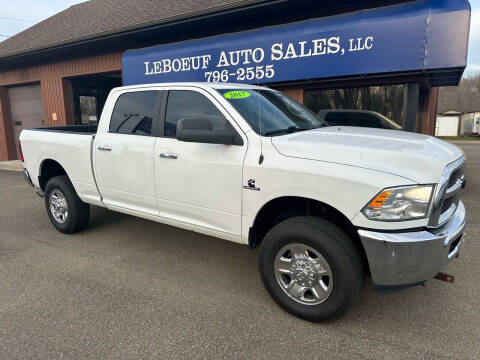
(401, 259)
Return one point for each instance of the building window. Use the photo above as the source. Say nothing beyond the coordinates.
(88, 110)
(370, 106)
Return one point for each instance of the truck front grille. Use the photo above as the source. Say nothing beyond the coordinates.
(456, 175)
(443, 208)
(446, 204)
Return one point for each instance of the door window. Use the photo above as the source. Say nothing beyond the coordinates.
(187, 104)
(134, 113)
(338, 118)
(361, 119)
(386, 101)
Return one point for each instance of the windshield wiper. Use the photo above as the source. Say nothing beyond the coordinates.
(293, 128)
(313, 127)
(325, 124)
(289, 130)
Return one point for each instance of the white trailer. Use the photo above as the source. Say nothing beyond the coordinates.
(472, 124)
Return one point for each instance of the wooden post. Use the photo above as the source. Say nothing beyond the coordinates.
(410, 107)
(68, 101)
(429, 110)
(294, 93)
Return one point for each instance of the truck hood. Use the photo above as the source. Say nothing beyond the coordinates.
(419, 158)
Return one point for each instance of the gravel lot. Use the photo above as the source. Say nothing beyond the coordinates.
(130, 288)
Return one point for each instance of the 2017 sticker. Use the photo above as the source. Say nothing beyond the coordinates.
(237, 94)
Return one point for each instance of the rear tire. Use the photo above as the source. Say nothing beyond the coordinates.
(66, 211)
(311, 268)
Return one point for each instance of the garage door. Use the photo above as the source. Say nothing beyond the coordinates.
(26, 109)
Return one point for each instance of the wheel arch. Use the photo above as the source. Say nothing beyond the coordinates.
(282, 208)
(48, 169)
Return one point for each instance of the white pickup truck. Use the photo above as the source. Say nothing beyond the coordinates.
(325, 204)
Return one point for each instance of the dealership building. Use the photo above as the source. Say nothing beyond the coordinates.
(388, 56)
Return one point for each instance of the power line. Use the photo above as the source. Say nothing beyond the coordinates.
(5, 35)
(16, 19)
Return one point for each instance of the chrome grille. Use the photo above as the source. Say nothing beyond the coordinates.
(448, 193)
(457, 174)
(446, 204)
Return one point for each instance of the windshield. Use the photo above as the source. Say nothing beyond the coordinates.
(271, 113)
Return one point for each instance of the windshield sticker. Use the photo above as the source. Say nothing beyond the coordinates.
(237, 94)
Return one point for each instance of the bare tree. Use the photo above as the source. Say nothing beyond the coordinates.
(470, 83)
(462, 98)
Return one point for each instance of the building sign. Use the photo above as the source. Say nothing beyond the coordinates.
(416, 36)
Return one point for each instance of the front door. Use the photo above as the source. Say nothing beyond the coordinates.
(198, 184)
(124, 153)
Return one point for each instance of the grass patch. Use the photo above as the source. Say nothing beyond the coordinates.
(460, 138)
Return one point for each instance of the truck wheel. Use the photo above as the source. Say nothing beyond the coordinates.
(66, 211)
(311, 268)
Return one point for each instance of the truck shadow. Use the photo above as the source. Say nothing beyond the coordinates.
(101, 218)
(232, 269)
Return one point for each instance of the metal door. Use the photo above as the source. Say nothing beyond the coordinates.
(26, 109)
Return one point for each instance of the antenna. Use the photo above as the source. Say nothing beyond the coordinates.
(260, 159)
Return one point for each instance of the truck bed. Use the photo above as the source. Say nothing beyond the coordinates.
(70, 147)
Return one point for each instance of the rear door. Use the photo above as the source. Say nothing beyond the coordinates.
(26, 109)
(123, 152)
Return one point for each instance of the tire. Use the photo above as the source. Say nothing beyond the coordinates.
(311, 268)
(60, 195)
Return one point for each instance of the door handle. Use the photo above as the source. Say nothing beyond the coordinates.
(168, 155)
(104, 147)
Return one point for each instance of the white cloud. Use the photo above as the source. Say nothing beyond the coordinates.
(474, 43)
(473, 68)
(475, 24)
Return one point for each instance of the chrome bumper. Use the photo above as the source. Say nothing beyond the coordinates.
(400, 259)
(27, 177)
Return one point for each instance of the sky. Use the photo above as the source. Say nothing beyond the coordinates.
(474, 45)
(17, 15)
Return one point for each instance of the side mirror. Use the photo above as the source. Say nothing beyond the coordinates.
(201, 131)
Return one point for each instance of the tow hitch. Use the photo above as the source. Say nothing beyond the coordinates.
(444, 277)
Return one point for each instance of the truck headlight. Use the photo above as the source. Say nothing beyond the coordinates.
(400, 203)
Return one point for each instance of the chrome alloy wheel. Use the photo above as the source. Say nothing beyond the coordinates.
(303, 274)
(58, 206)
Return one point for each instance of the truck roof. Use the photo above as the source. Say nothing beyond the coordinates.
(197, 84)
